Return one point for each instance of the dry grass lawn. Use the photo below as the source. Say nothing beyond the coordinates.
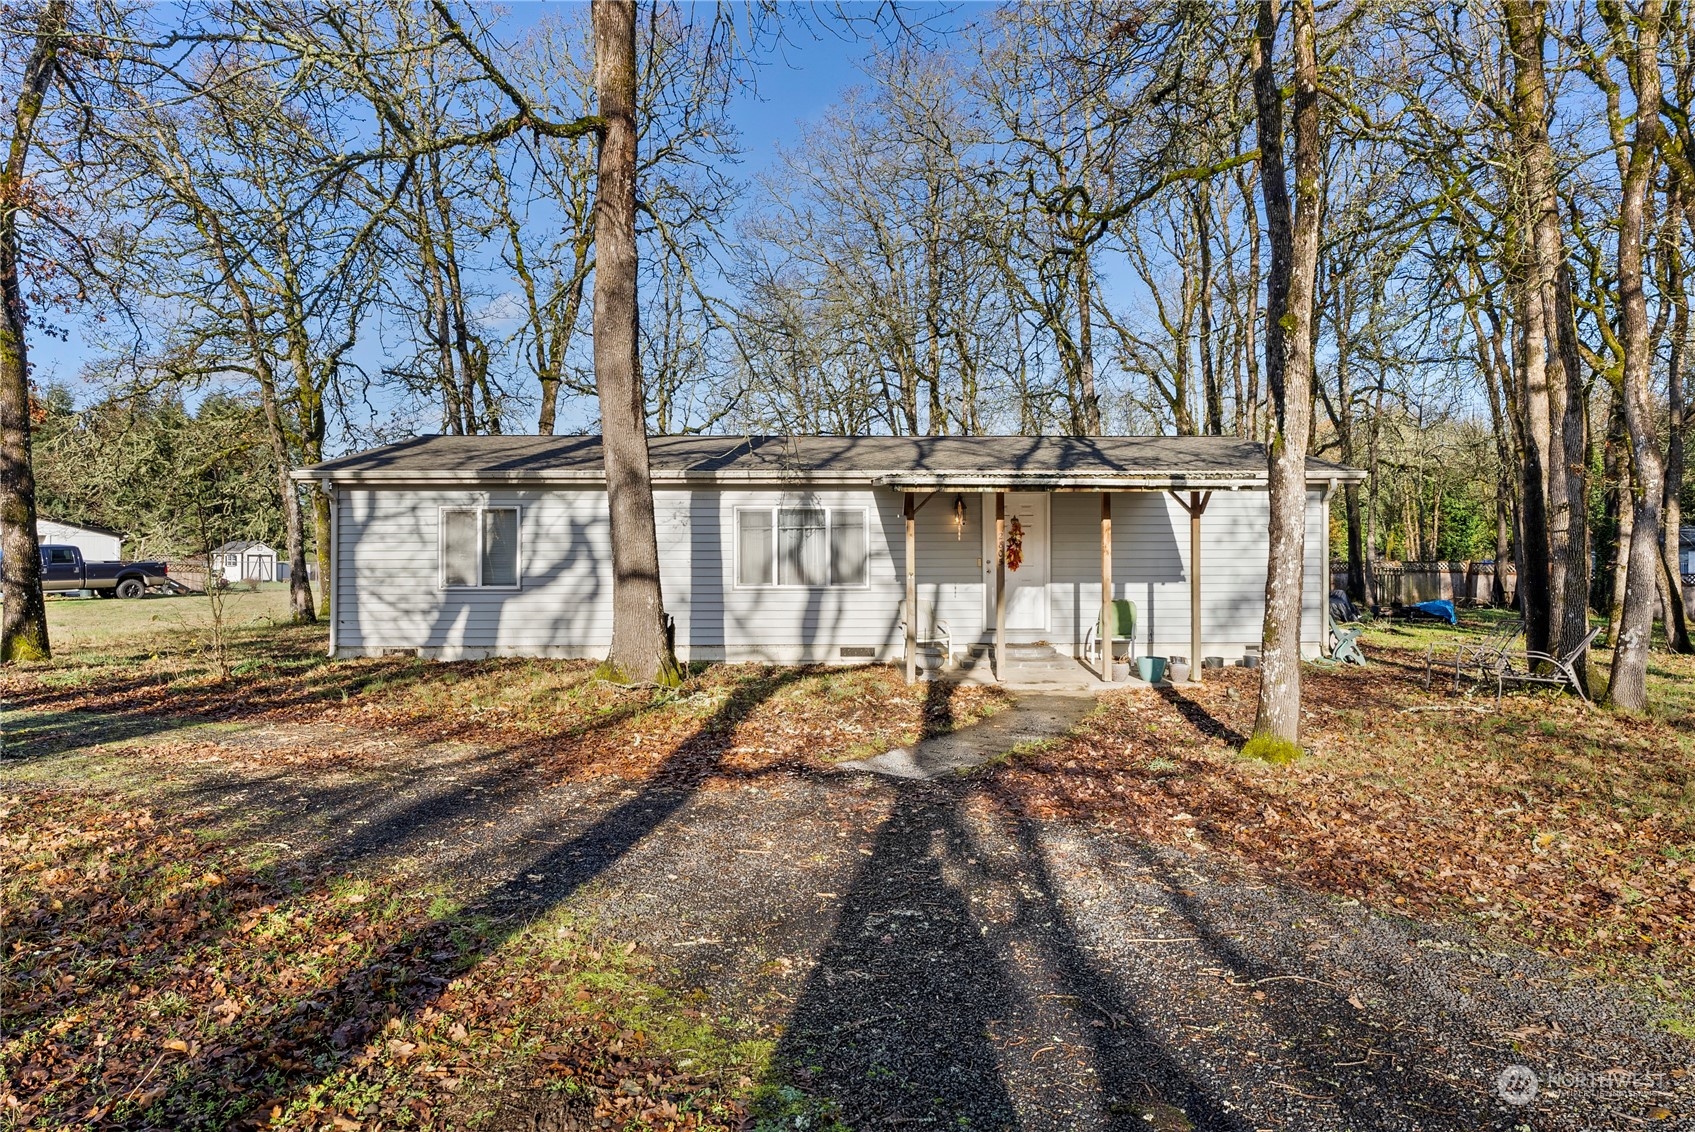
(143, 942)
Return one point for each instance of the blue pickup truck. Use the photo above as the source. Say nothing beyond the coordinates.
(63, 570)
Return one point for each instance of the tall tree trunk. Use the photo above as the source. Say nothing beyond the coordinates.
(23, 625)
(310, 403)
(1211, 387)
(1489, 362)
(1619, 510)
(1524, 20)
(1503, 531)
(1288, 361)
(1373, 463)
(294, 526)
(1575, 457)
(1342, 418)
(1086, 346)
(276, 432)
(639, 651)
(1248, 414)
(1671, 523)
(1628, 686)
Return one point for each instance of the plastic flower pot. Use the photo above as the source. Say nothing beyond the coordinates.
(1151, 668)
(1179, 672)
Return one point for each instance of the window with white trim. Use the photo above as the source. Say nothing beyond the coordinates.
(801, 546)
(479, 548)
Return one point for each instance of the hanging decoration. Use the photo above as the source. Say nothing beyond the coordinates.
(958, 517)
(1015, 545)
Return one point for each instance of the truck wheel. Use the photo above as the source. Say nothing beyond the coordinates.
(131, 588)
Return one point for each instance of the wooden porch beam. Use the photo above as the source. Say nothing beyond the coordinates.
(1106, 587)
(1196, 507)
(909, 507)
(1000, 585)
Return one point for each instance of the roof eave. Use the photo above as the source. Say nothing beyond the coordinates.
(966, 481)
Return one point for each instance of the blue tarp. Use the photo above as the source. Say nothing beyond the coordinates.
(1441, 610)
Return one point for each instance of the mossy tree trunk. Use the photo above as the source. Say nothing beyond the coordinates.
(1293, 230)
(23, 626)
(640, 650)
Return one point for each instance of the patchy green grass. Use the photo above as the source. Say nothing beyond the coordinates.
(83, 627)
(1671, 678)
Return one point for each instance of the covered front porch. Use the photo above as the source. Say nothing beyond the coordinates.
(1002, 569)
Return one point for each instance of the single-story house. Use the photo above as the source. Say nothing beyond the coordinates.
(244, 561)
(98, 544)
(808, 548)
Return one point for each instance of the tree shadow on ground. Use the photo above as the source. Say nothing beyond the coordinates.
(1200, 718)
(1326, 1032)
(938, 715)
(310, 1039)
(945, 949)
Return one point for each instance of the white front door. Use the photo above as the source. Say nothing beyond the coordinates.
(1027, 586)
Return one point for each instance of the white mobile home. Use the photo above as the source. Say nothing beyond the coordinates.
(98, 544)
(796, 548)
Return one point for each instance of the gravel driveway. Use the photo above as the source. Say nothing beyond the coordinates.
(927, 956)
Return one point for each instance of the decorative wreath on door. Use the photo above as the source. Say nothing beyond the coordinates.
(1015, 545)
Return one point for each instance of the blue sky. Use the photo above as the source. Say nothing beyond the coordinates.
(793, 83)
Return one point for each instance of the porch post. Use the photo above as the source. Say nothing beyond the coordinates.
(911, 514)
(1197, 507)
(1000, 585)
(1106, 587)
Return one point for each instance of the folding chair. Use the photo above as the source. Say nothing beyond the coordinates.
(1123, 629)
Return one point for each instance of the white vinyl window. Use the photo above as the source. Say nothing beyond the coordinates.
(479, 548)
(801, 546)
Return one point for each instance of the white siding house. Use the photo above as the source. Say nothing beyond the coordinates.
(793, 549)
(98, 544)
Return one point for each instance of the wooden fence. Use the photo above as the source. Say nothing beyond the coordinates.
(190, 572)
(1404, 583)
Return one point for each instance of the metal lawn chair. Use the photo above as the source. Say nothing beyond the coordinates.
(1480, 656)
(1543, 668)
(1123, 629)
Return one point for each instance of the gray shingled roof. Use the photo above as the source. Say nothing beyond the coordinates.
(912, 461)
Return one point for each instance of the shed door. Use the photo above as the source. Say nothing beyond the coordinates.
(1027, 586)
(257, 568)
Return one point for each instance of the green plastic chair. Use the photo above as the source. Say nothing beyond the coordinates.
(1123, 629)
